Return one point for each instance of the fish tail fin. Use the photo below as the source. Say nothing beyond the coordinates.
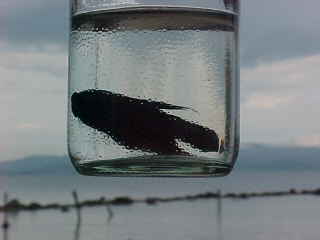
(200, 137)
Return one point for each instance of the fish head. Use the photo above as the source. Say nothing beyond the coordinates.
(88, 105)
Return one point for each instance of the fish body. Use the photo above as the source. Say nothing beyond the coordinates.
(140, 124)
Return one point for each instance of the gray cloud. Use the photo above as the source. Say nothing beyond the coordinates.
(276, 30)
(279, 99)
(272, 30)
(37, 23)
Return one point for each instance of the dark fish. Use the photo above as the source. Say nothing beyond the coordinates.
(140, 124)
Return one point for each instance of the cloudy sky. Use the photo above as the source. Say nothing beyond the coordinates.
(280, 59)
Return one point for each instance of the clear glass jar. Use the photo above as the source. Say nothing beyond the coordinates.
(153, 87)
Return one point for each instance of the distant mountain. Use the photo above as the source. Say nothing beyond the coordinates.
(267, 157)
(251, 157)
(42, 164)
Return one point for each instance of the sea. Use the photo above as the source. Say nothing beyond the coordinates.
(288, 217)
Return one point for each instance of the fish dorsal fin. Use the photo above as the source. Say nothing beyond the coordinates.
(163, 105)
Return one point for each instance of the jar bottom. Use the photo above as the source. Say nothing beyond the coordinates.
(155, 166)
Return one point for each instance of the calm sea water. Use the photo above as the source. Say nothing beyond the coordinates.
(261, 218)
(49, 188)
(266, 218)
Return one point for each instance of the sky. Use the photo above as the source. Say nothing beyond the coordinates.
(279, 55)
